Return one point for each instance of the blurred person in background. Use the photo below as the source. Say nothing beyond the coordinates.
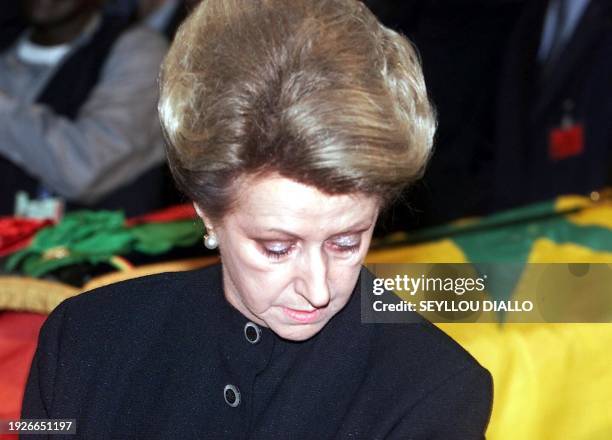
(164, 16)
(11, 23)
(554, 131)
(78, 109)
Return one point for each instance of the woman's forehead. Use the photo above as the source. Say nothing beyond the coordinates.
(279, 203)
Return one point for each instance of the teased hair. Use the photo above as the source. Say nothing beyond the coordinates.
(314, 90)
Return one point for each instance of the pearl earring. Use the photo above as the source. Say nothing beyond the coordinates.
(210, 241)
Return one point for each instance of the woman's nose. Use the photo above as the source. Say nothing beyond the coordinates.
(314, 286)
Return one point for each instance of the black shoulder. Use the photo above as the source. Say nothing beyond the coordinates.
(439, 346)
(429, 354)
(458, 407)
(150, 288)
(449, 349)
(418, 343)
(145, 301)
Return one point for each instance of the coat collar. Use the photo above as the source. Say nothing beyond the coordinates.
(242, 357)
(228, 328)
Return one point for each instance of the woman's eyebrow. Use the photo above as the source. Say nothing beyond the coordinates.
(353, 229)
(356, 229)
(282, 232)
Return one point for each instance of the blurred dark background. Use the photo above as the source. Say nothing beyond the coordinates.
(522, 90)
(461, 44)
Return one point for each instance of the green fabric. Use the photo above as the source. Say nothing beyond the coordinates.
(157, 238)
(512, 245)
(508, 237)
(498, 221)
(84, 235)
(95, 237)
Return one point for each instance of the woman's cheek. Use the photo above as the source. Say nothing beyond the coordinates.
(268, 285)
(343, 279)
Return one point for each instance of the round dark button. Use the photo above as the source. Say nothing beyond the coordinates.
(232, 395)
(252, 333)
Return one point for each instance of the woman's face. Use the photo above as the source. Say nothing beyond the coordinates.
(291, 254)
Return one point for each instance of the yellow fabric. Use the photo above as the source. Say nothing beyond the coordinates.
(547, 251)
(552, 381)
(441, 251)
(565, 203)
(149, 269)
(599, 215)
(42, 296)
(32, 295)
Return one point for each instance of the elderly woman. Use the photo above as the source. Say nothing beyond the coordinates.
(290, 124)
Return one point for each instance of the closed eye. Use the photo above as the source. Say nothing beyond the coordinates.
(277, 250)
(346, 243)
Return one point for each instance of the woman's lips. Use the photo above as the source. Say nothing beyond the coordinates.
(302, 316)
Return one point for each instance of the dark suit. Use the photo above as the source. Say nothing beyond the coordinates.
(535, 99)
(150, 358)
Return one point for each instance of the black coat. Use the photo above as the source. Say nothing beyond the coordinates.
(535, 99)
(151, 358)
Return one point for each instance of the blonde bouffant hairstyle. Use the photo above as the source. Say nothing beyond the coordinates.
(317, 91)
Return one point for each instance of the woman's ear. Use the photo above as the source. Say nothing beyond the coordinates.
(203, 216)
(210, 238)
(198, 210)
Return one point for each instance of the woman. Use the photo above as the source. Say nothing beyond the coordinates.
(290, 124)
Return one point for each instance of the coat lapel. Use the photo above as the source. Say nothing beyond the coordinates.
(592, 24)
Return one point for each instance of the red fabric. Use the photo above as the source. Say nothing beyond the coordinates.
(566, 142)
(173, 213)
(16, 233)
(18, 339)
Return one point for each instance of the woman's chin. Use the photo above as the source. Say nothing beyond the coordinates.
(300, 332)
